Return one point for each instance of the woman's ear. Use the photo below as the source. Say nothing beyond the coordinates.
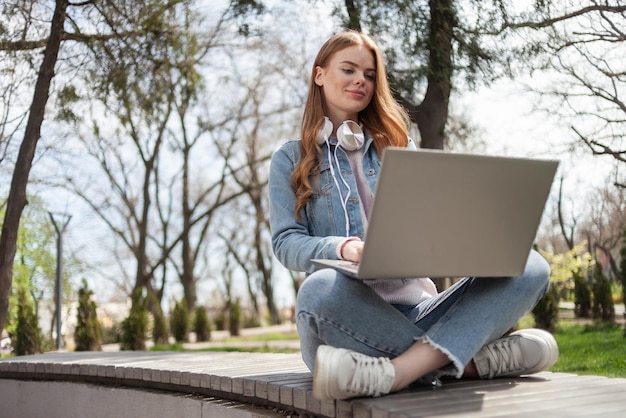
(319, 76)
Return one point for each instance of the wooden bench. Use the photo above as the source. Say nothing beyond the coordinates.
(269, 385)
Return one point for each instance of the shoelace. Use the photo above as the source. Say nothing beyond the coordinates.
(368, 375)
(504, 356)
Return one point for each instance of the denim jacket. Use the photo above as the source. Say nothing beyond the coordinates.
(322, 224)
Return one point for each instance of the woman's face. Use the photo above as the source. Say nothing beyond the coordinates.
(348, 82)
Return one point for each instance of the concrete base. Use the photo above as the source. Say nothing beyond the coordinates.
(46, 399)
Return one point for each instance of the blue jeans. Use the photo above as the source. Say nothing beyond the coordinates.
(336, 310)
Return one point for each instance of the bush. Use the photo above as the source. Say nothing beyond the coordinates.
(251, 321)
(582, 296)
(27, 338)
(603, 308)
(112, 334)
(88, 332)
(234, 318)
(135, 326)
(160, 332)
(220, 321)
(179, 321)
(546, 312)
(201, 324)
(622, 266)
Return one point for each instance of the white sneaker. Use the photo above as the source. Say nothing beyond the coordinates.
(343, 374)
(522, 352)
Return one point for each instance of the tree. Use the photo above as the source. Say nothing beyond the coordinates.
(623, 273)
(123, 24)
(564, 267)
(135, 325)
(17, 194)
(160, 112)
(201, 324)
(582, 296)
(179, 321)
(546, 312)
(583, 49)
(439, 46)
(132, 88)
(27, 337)
(249, 245)
(160, 331)
(606, 220)
(34, 263)
(88, 331)
(234, 318)
(580, 50)
(602, 308)
(426, 34)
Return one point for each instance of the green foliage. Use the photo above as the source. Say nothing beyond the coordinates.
(177, 347)
(34, 265)
(546, 312)
(603, 308)
(591, 350)
(234, 318)
(582, 296)
(160, 332)
(27, 337)
(563, 267)
(220, 321)
(179, 321)
(201, 324)
(88, 332)
(66, 97)
(622, 266)
(252, 321)
(112, 334)
(135, 326)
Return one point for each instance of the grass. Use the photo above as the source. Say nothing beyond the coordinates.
(591, 350)
(587, 349)
(235, 341)
(275, 336)
(259, 349)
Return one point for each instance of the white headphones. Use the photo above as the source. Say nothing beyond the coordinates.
(349, 134)
(350, 137)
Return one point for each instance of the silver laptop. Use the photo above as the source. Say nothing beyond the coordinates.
(440, 214)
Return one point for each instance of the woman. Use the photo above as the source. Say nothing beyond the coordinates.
(373, 337)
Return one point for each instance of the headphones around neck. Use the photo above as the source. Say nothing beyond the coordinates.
(350, 137)
(349, 134)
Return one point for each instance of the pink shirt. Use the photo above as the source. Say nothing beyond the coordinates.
(395, 291)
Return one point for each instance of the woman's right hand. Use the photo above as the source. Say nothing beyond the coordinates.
(352, 250)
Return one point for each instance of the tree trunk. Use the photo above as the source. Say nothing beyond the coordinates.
(17, 194)
(354, 16)
(188, 260)
(431, 115)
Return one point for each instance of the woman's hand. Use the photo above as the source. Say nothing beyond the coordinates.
(352, 250)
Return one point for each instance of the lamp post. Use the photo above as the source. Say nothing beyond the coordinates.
(60, 229)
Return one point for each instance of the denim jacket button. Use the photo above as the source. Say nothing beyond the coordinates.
(371, 172)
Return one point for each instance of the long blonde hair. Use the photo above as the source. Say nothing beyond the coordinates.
(383, 118)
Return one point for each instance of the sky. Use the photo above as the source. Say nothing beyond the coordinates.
(513, 127)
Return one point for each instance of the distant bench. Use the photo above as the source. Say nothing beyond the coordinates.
(234, 385)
